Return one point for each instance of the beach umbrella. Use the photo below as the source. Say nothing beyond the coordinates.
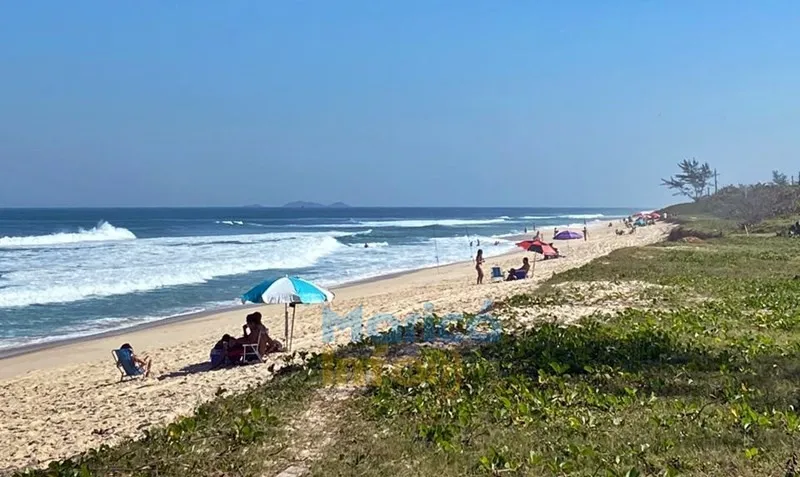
(568, 235)
(289, 291)
(531, 245)
(538, 246)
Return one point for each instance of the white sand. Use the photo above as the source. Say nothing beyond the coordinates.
(60, 401)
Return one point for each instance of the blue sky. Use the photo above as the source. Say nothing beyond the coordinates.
(422, 102)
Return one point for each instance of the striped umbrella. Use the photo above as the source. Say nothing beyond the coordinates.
(290, 291)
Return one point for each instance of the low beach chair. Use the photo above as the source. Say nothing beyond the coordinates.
(497, 274)
(521, 274)
(251, 351)
(124, 361)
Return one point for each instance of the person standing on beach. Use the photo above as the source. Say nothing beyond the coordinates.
(478, 265)
(585, 233)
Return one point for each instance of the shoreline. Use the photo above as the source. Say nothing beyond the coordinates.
(17, 351)
(67, 398)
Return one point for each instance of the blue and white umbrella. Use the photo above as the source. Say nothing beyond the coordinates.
(289, 291)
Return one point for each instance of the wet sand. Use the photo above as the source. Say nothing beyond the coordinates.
(65, 398)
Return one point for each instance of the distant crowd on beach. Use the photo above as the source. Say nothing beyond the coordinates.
(630, 224)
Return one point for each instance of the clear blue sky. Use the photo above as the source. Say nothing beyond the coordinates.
(420, 102)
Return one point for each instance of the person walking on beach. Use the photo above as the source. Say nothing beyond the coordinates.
(478, 265)
(585, 233)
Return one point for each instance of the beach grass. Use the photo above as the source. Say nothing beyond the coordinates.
(703, 381)
(693, 370)
(239, 434)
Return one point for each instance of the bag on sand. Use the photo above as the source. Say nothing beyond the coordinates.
(217, 357)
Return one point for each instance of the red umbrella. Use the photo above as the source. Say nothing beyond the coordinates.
(539, 247)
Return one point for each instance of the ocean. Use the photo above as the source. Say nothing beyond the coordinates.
(67, 273)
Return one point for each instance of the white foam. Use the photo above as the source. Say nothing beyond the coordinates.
(60, 275)
(582, 216)
(103, 232)
(369, 245)
(356, 265)
(430, 223)
(230, 222)
(103, 325)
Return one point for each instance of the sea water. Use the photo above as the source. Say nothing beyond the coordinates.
(73, 272)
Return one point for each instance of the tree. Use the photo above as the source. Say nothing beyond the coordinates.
(750, 204)
(779, 179)
(692, 181)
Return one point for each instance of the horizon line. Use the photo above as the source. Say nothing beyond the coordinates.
(325, 207)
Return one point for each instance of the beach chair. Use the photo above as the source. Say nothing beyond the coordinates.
(497, 274)
(520, 274)
(127, 368)
(251, 351)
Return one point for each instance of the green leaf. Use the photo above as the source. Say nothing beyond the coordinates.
(751, 453)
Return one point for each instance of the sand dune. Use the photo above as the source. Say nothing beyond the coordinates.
(64, 400)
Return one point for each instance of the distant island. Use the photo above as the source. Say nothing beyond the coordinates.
(315, 205)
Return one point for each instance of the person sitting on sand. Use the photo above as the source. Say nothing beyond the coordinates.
(526, 265)
(219, 354)
(256, 333)
(141, 363)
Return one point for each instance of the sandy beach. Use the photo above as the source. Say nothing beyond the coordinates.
(65, 399)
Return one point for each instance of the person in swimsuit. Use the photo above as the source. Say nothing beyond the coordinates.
(257, 330)
(526, 265)
(478, 265)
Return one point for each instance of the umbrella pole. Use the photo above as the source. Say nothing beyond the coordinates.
(286, 324)
(291, 332)
(533, 268)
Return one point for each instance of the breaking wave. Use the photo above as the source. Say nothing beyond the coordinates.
(152, 264)
(102, 232)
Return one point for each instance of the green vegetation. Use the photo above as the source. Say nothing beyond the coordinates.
(232, 435)
(705, 386)
(743, 206)
(693, 180)
(696, 374)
